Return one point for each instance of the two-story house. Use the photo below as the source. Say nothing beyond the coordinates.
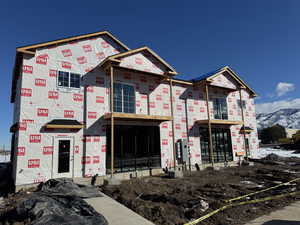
(89, 105)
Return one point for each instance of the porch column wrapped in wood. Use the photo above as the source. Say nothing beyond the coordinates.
(209, 126)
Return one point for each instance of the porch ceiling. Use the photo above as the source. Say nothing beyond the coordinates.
(220, 122)
(132, 116)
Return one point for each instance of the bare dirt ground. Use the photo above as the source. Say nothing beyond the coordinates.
(178, 201)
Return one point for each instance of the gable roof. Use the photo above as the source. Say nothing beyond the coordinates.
(137, 50)
(30, 48)
(209, 76)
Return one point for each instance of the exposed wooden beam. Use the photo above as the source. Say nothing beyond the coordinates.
(173, 129)
(112, 120)
(209, 126)
(132, 116)
(219, 122)
(61, 126)
(243, 118)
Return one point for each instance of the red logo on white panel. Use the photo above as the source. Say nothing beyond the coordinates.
(166, 106)
(234, 147)
(138, 60)
(233, 134)
(68, 114)
(170, 133)
(164, 141)
(178, 92)
(52, 73)
(52, 94)
(33, 163)
(177, 126)
(34, 138)
(152, 104)
(27, 69)
(165, 90)
(96, 139)
(77, 97)
(47, 150)
(66, 52)
(104, 44)
(183, 120)
(103, 148)
(40, 82)
(28, 121)
(76, 149)
(86, 139)
(66, 65)
(158, 97)
(22, 126)
(202, 109)
(21, 151)
(196, 102)
(89, 89)
(144, 96)
(42, 112)
(92, 115)
(26, 92)
(99, 99)
(138, 103)
(81, 60)
(184, 135)
(179, 107)
(42, 59)
(191, 108)
(86, 160)
(96, 159)
(191, 143)
(99, 80)
(87, 48)
(164, 125)
(100, 55)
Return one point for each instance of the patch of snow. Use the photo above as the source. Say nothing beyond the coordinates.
(263, 152)
(5, 158)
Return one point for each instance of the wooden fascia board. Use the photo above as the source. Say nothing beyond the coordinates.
(58, 126)
(131, 116)
(26, 51)
(130, 52)
(180, 81)
(60, 41)
(220, 122)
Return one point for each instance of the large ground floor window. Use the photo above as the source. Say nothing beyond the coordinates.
(135, 148)
(221, 141)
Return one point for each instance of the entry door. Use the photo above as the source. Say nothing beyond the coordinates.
(63, 158)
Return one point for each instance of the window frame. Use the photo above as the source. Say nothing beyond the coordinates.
(221, 110)
(69, 80)
(122, 97)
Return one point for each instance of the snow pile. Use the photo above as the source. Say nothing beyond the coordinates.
(263, 152)
(5, 158)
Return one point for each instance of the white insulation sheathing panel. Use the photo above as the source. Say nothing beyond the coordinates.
(39, 100)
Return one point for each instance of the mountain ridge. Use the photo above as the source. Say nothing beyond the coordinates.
(288, 118)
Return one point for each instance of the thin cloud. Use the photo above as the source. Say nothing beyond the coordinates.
(283, 88)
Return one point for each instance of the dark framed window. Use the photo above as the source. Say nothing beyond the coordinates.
(220, 108)
(241, 104)
(68, 80)
(124, 98)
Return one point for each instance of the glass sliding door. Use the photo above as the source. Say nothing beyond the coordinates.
(221, 142)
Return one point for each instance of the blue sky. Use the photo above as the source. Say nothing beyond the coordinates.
(258, 39)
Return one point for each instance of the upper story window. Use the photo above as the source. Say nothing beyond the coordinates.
(124, 98)
(220, 108)
(241, 104)
(68, 80)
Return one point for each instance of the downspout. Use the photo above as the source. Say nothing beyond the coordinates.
(209, 126)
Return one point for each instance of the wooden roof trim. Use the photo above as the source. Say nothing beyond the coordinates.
(145, 48)
(61, 126)
(74, 38)
(132, 116)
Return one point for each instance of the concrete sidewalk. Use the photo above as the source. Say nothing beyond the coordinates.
(115, 213)
(289, 215)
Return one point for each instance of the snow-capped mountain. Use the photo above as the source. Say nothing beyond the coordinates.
(288, 118)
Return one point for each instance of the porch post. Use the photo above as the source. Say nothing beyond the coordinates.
(172, 115)
(243, 118)
(112, 120)
(209, 126)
